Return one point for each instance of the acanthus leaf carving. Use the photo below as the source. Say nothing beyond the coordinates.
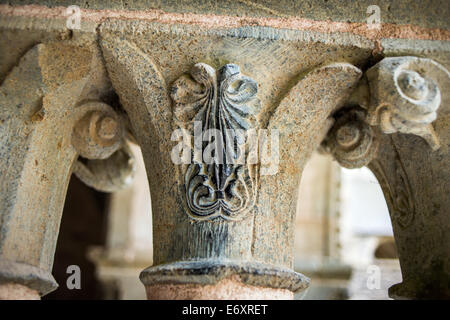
(224, 103)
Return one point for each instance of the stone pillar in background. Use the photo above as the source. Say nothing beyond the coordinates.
(129, 244)
(317, 234)
(399, 133)
(50, 114)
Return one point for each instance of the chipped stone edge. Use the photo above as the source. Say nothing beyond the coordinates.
(27, 275)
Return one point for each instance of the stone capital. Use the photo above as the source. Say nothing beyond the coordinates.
(396, 124)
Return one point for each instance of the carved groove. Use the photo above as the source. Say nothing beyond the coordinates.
(397, 190)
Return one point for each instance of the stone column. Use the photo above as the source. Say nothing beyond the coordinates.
(400, 131)
(221, 230)
(129, 242)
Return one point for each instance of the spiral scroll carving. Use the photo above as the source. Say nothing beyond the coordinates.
(106, 162)
(351, 140)
(405, 96)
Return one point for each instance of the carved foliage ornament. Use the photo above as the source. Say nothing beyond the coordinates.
(223, 105)
(397, 189)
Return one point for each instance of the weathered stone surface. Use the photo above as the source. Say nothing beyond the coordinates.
(300, 68)
(414, 181)
(138, 77)
(351, 140)
(432, 14)
(405, 96)
(13, 291)
(213, 271)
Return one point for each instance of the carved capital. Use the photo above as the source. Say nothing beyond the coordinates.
(46, 124)
(222, 217)
(400, 94)
(399, 99)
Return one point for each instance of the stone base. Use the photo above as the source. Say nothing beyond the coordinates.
(27, 276)
(217, 280)
(14, 291)
(418, 291)
(227, 289)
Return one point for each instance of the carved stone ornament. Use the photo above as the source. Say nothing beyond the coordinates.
(351, 140)
(108, 175)
(397, 189)
(405, 96)
(107, 163)
(401, 94)
(218, 108)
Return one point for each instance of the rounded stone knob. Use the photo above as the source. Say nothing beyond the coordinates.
(351, 140)
(348, 135)
(107, 128)
(413, 84)
(99, 133)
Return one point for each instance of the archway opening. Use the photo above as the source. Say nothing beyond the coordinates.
(343, 240)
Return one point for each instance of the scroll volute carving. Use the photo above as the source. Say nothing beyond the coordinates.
(220, 105)
(405, 94)
(99, 133)
(351, 140)
(401, 94)
(398, 95)
(354, 143)
(107, 163)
